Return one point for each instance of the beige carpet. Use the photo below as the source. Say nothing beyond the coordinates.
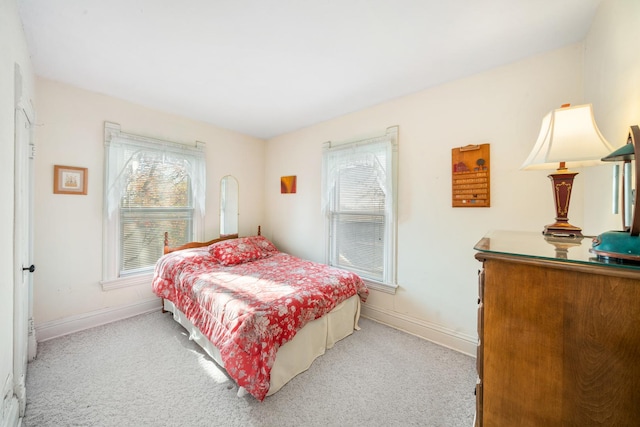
(144, 371)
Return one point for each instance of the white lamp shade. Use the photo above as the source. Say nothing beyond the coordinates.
(569, 135)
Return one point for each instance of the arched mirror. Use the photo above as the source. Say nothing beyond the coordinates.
(228, 205)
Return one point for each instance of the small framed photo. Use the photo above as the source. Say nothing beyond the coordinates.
(69, 180)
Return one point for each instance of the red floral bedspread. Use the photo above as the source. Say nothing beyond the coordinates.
(250, 309)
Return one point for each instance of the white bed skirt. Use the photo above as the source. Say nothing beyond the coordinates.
(296, 355)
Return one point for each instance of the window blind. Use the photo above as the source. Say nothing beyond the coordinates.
(359, 203)
(151, 187)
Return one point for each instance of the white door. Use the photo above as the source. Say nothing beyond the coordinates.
(23, 268)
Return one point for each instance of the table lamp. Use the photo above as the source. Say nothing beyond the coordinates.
(569, 137)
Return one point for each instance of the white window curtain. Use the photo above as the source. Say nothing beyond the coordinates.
(127, 157)
(359, 203)
(123, 151)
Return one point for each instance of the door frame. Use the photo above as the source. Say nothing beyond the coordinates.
(24, 343)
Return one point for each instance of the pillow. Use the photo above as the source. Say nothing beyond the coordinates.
(235, 251)
(266, 247)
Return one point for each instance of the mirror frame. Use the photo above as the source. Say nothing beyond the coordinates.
(227, 211)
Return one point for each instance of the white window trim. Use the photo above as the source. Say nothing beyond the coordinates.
(389, 288)
(125, 282)
(391, 134)
(111, 223)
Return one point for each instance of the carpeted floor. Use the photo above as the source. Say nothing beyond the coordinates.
(144, 371)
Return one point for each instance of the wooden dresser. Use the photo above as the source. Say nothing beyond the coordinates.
(559, 334)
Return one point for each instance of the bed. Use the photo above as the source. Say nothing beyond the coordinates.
(261, 314)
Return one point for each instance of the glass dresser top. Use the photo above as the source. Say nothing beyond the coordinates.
(537, 245)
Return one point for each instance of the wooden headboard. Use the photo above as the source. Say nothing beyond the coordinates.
(190, 245)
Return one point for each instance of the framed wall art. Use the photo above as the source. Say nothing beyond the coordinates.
(470, 177)
(69, 180)
(288, 184)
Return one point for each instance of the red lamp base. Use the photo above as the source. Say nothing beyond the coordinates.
(562, 183)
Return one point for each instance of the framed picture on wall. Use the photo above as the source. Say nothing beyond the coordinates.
(288, 184)
(69, 180)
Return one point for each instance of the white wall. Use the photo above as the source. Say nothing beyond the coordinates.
(14, 51)
(68, 248)
(504, 107)
(437, 272)
(612, 84)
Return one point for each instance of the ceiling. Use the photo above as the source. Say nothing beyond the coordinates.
(268, 67)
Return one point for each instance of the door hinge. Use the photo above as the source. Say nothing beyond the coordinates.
(31, 328)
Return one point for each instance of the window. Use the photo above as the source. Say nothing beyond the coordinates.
(359, 201)
(151, 187)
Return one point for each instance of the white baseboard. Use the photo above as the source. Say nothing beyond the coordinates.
(12, 419)
(440, 335)
(9, 406)
(57, 328)
(463, 343)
